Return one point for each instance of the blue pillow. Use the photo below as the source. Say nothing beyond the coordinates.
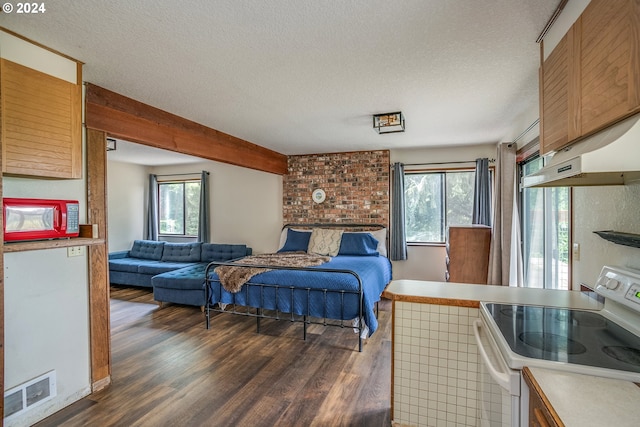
(181, 252)
(296, 241)
(358, 244)
(147, 249)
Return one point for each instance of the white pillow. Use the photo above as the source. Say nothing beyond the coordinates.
(324, 241)
(381, 236)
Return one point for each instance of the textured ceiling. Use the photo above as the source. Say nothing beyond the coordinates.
(305, 76)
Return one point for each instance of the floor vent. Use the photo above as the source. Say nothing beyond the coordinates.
(32, 393)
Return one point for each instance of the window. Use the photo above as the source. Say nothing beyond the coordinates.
(179, 207)
(545, 214)
(435, 200)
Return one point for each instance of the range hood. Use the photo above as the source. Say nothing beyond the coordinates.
(609, 157)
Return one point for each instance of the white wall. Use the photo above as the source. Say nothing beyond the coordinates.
(525, 128)
(245, 205)
(127, 187)
(427, 262)
(27, 54)
(604, 208)
(566, 19)
(46, 326)
(46, 293)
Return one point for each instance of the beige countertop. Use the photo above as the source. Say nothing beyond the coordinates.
(584, 400)
(462, 294)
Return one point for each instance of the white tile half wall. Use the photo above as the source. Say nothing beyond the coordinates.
(435, 366)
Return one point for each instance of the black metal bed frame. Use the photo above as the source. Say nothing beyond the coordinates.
(277, 314)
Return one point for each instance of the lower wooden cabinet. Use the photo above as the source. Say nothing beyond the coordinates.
(540, 415)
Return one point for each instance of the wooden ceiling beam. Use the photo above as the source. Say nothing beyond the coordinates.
(131, 120)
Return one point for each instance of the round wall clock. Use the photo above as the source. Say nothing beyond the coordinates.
(318, 195)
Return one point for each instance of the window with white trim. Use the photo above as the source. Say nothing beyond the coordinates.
(179, 208)
(434, 200)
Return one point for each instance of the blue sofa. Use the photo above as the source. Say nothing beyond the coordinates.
(174, 270)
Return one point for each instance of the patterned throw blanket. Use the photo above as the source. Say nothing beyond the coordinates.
(233, 277)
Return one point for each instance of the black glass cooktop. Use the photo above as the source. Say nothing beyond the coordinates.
(565, 335)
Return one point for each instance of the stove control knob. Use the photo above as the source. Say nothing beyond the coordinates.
(612, 284)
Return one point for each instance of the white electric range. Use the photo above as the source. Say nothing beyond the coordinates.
(602, 343)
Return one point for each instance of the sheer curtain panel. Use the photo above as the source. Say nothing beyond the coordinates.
(505, 258)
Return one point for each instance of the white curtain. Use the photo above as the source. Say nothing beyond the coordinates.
(505, 257)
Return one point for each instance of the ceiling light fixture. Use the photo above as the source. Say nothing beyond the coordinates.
(111, 144)
(388, 122)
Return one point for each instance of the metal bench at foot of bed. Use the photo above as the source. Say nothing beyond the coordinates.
(275, 313)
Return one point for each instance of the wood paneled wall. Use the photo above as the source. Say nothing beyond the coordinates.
(42, 132)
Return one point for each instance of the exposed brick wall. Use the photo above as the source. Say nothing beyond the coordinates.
(356, 186)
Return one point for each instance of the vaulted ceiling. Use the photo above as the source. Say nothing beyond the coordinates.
(305, 76)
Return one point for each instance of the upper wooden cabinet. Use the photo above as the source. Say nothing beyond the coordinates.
(590, 80)
(610, 64)
(41, 119)
(554, 83)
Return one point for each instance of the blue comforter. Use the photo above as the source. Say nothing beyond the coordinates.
(374, 273)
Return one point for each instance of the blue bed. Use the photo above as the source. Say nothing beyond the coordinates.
(342, 292)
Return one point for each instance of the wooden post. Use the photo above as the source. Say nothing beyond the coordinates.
(99, 319)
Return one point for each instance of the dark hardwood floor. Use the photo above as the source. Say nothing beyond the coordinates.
(168, 370)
